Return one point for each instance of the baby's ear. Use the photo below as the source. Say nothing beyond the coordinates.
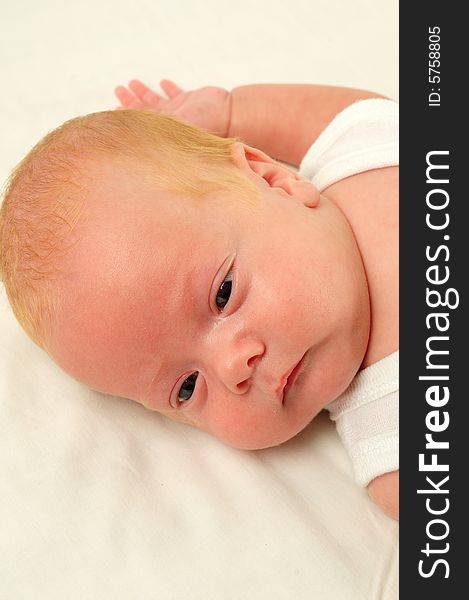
(264, 170)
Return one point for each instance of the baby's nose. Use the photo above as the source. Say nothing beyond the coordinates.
(235, 364)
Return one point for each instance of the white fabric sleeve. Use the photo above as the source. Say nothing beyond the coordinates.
(367, 419)
(363, 136)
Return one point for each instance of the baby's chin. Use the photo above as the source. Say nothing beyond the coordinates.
(260, 444)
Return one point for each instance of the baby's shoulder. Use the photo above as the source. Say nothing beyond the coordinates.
(376, 190)
(370, 203)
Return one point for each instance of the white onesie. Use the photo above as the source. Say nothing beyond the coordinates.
(362, 137)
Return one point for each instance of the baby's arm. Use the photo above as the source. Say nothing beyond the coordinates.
(283, 120)
(384, 490)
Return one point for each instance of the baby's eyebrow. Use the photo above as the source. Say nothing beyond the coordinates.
(192, 290)
(151, 397)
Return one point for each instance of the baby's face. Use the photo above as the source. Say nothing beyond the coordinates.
(200, 309)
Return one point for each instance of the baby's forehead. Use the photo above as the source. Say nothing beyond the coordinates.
(132, 191)
(132, 219)
(129, 225)
(132, 253)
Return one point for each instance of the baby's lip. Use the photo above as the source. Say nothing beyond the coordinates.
(288, 379)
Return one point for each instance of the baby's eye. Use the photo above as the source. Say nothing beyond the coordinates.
(187, 388)
(224, 292)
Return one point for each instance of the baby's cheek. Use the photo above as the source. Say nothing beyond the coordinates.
(250, 429)
(180, 416)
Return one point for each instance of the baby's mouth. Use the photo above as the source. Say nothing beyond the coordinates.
(289, 379)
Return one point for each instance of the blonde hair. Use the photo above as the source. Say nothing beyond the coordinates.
(46, 193)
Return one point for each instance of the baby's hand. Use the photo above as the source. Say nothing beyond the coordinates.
(384, 490)
(207, 107)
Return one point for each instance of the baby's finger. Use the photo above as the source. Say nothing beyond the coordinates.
(128, 100)
(125, 97)
(146, 95)
(170, 88)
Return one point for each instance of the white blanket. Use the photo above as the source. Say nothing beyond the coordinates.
(100, 498)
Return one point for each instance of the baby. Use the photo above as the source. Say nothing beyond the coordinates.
(162, 255)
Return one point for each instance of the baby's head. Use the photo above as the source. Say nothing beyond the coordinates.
(190, 273)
